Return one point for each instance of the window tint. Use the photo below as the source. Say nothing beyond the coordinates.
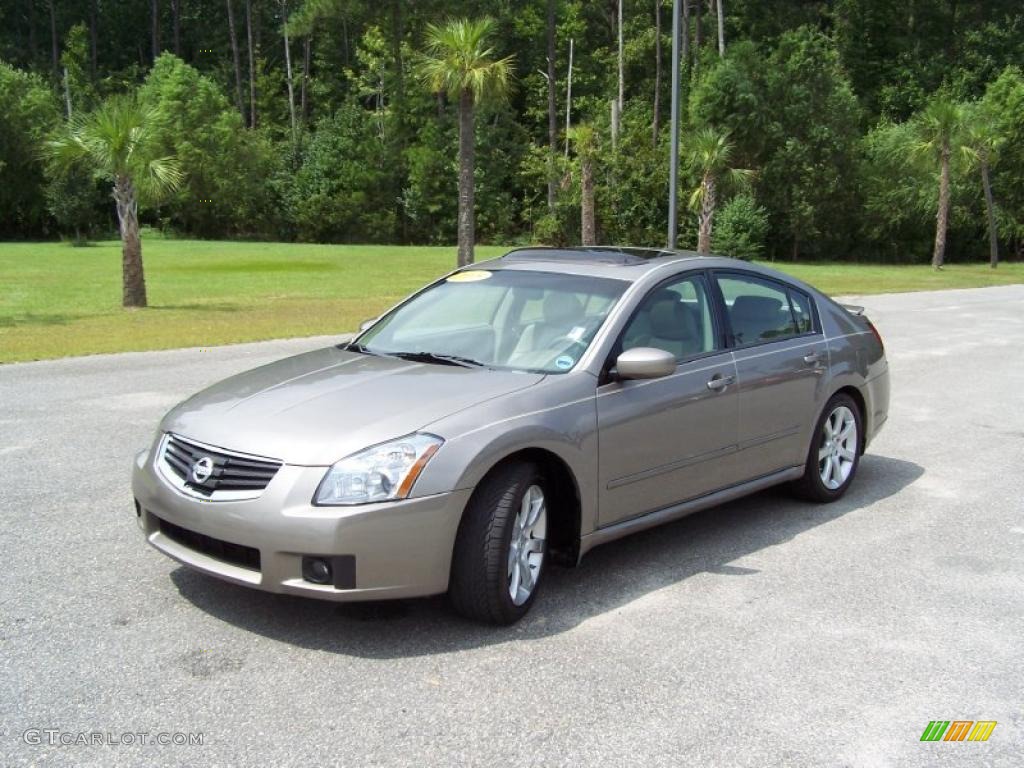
(508, 318)
(675, 317)
(802, 312)
(760, 311)
(478, 305)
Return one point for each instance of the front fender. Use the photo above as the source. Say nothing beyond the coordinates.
(561, 420)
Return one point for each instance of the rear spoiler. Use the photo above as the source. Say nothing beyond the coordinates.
(853, 309)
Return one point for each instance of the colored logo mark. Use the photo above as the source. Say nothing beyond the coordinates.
(958, 730)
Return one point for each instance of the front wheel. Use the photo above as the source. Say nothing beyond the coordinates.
(501, 546)
(834, 453)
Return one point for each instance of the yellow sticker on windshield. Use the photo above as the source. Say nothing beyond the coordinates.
(470, 276)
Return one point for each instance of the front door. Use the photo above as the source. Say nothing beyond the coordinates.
(668, 440)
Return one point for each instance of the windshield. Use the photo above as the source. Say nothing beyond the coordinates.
(515, 319)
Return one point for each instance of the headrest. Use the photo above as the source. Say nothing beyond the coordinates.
(671, 320)
(562, 309)
(755, 308)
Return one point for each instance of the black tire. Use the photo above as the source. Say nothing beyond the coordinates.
(811, 487)
(479, 584)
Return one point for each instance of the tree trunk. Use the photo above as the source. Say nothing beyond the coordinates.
(699, 35)
(235, 57)
(721, 29)
(154, 10)
(467, 234)
(942, 217)
(93, 34)
(622, 77)
(615, 115)
(252, 64)
(656, 124)
(552, 107)
(288, 68)
(684, 36)
(398, 92)
(67, 93)
(133, 286)
(587, 207)
(54, 45)
(344, 41)
(706, 215)
(568, 100)
(31, 31)
(176, 22)
(990, 210)
(306, 57)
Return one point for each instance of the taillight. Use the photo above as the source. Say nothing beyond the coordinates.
(877, 334)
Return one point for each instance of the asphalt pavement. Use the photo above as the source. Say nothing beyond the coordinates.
(767, 632)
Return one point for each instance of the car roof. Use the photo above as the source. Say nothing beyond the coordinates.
(619, 262)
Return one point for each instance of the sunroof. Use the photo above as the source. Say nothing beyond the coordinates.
(601, 254)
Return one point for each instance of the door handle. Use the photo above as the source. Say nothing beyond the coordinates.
(719, 382)
(812, 358)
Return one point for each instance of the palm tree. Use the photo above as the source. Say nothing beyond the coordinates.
(460, 61)
(982, 141)
(939, 131)
(711, 157)
(584, 138)
(113, 141)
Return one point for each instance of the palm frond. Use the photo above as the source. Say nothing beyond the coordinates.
(163, 176)
(740, 177)
(114, 141)
(457, 57)
(696, 197)
(939, 126)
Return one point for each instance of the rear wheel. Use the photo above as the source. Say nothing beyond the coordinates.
(834, 453)
(501, 547)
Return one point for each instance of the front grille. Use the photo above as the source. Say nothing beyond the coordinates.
(229, 471)
(236, 554)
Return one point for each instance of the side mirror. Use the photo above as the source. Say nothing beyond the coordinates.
(645, 363)
(366, 324)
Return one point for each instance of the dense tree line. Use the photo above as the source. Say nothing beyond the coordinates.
(816, 129)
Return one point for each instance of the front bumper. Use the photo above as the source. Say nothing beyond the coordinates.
(401, 548)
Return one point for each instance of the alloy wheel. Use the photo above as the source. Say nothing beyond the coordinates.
(838, 451)
(526, 549)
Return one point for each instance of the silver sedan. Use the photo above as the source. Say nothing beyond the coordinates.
(512, 415)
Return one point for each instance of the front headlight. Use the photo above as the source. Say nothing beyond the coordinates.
(379, 473)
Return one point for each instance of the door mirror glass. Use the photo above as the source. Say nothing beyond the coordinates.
(645, 363)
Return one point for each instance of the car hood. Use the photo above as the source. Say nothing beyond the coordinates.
(316, 408)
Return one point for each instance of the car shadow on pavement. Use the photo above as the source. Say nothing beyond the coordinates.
(608, 577)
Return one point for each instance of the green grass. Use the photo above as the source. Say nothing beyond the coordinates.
(56, 300)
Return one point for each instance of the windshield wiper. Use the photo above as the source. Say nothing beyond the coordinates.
(433, 357)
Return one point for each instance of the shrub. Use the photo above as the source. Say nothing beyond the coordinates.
(741, 228)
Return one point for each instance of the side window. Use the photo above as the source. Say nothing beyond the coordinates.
(802, 314)
(759, 310)
(675, 317)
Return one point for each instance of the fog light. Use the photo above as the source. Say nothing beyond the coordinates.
(316, 570)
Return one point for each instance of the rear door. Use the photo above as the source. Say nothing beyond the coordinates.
(667, 440)
(781, 358)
